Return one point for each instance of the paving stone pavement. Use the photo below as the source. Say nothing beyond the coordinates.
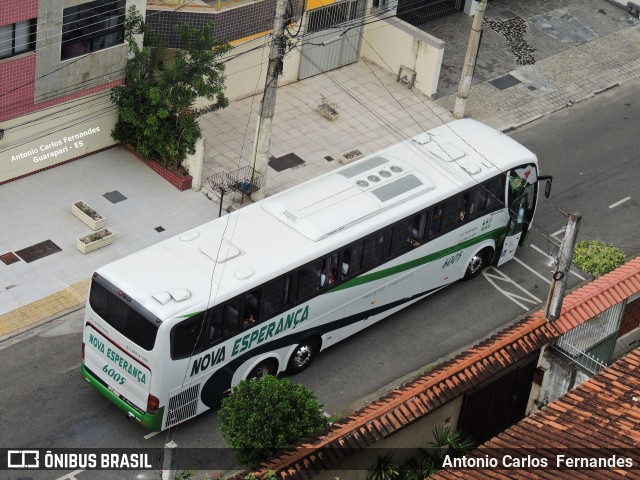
(579, 47)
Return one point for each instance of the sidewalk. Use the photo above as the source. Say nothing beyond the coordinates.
(374, 111)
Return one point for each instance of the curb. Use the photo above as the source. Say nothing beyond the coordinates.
(42, 311)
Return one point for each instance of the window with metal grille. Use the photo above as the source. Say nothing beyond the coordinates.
(91, 27)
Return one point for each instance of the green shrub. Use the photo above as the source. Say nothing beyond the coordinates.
(156, 104)
(264, 416)
(597, 258)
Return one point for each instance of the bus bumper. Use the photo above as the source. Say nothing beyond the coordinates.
(152, 421)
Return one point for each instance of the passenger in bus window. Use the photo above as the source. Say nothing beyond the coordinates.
(249, 319)
(462, 215)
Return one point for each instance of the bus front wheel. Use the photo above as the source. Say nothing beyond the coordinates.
(477, 263)
(303, 355)
(267, 367)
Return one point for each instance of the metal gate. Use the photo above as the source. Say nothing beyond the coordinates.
(333, 37)
(492, 408)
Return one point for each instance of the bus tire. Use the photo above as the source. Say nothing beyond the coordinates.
(477, 263)
(303, 355)
(267, 367)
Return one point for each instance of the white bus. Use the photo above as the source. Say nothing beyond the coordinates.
(171, 328)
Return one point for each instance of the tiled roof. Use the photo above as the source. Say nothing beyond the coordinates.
(597, 296)
(602, 416)
(422, 396)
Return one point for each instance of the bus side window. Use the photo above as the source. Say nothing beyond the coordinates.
(417, 229)
(332, 268)
(436, 222)
(373, 250)
(250, 309)
(215, 333)
(399, 244)
(351, 260)
(450, 213)
(230, 319)
(463, 208)
(274, 296)
(188, 337)
(310, 278)
(495, 186)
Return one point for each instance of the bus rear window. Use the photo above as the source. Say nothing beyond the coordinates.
(121, 316)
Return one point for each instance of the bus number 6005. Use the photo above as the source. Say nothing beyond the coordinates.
(113, 374)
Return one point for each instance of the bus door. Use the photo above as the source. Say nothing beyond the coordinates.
(521, 201)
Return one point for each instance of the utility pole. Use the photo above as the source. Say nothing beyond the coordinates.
(470, 60)
(262, 143)
(559, 284)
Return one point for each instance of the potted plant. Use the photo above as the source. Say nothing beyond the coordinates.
(328, 108)
(95, 240)
(88, 215)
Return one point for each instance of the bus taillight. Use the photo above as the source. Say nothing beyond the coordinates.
(152, 404)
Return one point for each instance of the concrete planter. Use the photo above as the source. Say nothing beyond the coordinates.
(327, 111)
(351, 156)
(88, 215)
(95, 240)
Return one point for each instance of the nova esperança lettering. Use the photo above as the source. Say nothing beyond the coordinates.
(118, 359)
(256, 337)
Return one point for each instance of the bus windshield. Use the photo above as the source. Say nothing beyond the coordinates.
(121, 315)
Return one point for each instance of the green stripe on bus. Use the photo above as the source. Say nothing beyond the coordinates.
(493, 234)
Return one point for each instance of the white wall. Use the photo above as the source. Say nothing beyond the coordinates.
(392, 43)
(64, 132)
(246, 73)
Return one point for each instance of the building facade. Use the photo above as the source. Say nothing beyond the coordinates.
(58, 61)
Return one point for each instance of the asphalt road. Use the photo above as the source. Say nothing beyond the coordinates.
(591, 151)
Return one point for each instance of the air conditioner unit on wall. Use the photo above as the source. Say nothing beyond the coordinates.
(407, 76)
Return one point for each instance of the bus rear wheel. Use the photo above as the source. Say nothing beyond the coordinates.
(477, 263)
(303, 355)
(268, 367)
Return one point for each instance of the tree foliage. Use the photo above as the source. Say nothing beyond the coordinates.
(266, 415)
(156, 103)
(597, 258)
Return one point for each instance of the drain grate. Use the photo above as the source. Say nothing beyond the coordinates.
(328, 158)
(114, 197)
(289, 160)
(159, 229)
(9, 258)
(504, 82)
(38, 251)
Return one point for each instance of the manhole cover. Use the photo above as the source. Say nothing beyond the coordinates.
(504, 82)
(9, 258)
(289, 160)
(38, 251)
(114, 197)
